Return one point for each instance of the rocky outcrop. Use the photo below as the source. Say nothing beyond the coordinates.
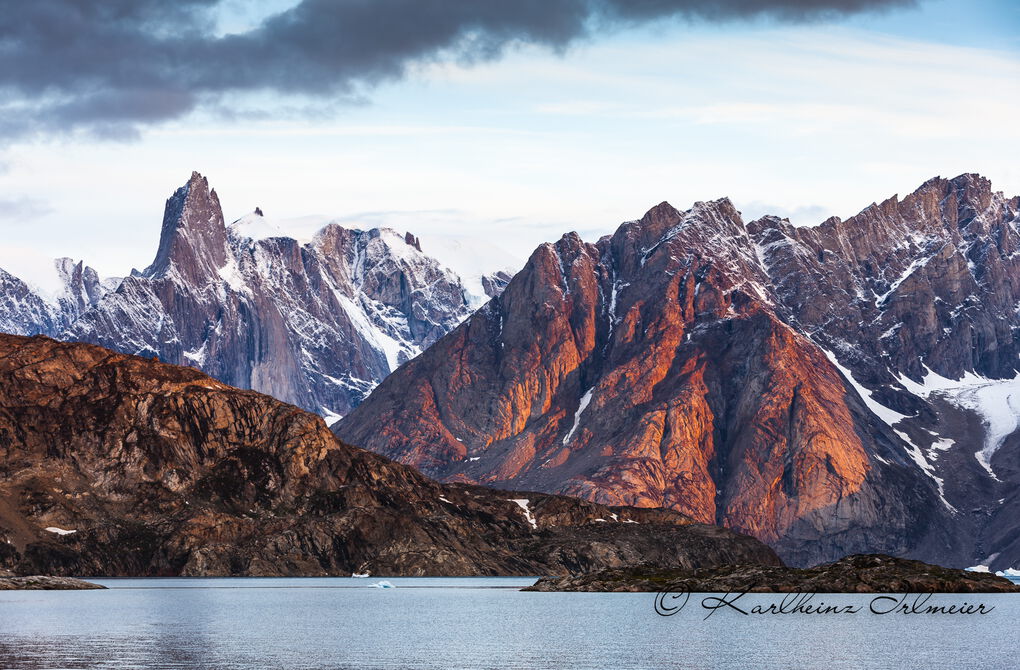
(493, 284)
(871, 573)
(120, 465)
(43, 583)
(744, 374)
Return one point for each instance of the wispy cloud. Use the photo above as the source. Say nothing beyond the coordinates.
(840, 81)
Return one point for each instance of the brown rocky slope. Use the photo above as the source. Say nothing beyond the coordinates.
(119, 465)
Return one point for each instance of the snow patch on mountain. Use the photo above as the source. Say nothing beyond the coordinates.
(585, 400)
(256, 227)
(525, 505)
(889, 416)
(231, 274)
(996, 401)
(376, 337)
(913, 267)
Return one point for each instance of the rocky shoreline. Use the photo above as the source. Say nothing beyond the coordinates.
(861, 573)
(43, 583)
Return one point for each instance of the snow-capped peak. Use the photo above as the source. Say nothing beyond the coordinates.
(256, 227)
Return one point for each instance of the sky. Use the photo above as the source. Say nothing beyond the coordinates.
(513, 123)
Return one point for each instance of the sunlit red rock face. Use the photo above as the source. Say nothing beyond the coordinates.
(659, 367)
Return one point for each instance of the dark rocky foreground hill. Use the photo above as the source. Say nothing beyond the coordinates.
(118, 465)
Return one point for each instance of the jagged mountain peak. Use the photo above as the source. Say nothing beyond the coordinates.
(716, 218)
(193, 238)
(254, 226)
(554, 262)
(635, 242)
(972, 181)
(937, 206)
(661, 212)
(652, 226)
(770, 222)
(722, 206)
(709, 217)
(570, 242)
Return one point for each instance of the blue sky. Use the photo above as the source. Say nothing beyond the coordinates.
(805, 120)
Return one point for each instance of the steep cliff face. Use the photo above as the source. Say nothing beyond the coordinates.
(917, 300)
(118, 465)
(731, 371)
(317, 324)
(931, 282)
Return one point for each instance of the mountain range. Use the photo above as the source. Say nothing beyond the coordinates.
(833, 389)
(836, 389)
(316, 323)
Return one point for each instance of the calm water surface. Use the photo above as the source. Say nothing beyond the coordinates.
(469, 623)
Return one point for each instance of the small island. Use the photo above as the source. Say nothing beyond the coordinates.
(861, 573)
(44, 583)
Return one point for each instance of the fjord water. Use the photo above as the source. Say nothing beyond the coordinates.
(468, 623)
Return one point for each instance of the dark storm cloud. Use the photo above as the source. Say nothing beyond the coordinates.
(110, 66)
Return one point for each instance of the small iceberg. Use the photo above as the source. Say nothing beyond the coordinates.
(360, 575)
(383, 585)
